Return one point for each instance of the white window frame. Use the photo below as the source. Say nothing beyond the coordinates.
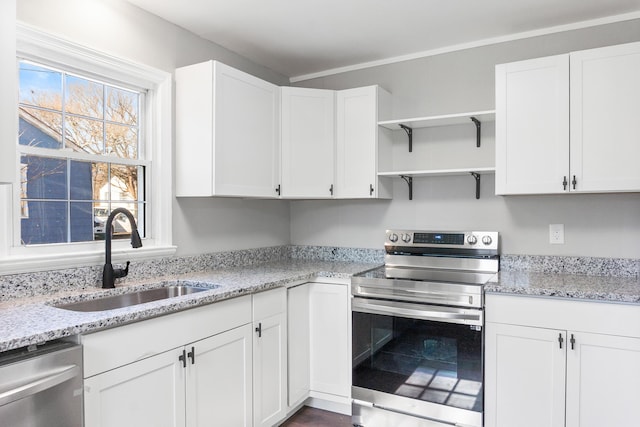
(33, 44)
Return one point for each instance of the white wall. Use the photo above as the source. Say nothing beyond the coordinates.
(605, 225)
(118, 28)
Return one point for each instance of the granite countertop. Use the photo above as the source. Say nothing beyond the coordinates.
(593, 288)
(34, 320)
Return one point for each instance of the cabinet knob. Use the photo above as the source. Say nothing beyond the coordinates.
(371, 189)
(259, 330)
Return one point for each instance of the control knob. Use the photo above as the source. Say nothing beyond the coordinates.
(406, 238)
(472, 240)
(393, 237)
(487, 240)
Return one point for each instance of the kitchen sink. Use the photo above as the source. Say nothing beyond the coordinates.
(133, 298)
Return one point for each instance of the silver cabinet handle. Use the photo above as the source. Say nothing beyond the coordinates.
(39, 385)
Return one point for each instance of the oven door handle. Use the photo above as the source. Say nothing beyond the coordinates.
(379, 292)
(417, 311)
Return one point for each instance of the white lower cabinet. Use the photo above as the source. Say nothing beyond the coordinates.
(192, 368)
(269, 358)
(298, 344)
(525, 376)
(555, 363)
(246, 361)
(149, 392)
(319, 346)
(219, 391)
(603, 373)
(329, 333)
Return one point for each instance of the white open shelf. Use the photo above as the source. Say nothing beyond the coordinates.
(408, 176)
(444, 120)
(438, 172)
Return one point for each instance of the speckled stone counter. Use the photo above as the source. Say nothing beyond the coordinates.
(28, 317)
(599, 288)
(34, 320)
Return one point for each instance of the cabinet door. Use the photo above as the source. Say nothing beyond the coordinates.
(524, 376)
(358, 146)
(269, 371)
(8, 89)
(149, 392)
(605, 106)
(603, 373)
(219, 380)
(247, 134)
(308, 141)
(298, 343)
(532, 126)
(227, 132)
(329, 334)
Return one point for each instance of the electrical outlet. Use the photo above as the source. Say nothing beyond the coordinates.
(556, 234)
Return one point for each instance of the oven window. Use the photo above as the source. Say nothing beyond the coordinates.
(419, 359)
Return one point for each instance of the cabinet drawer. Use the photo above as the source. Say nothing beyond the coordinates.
(269, 303)
(558, 313)
(109, 349)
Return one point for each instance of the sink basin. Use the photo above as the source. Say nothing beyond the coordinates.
(132, 298)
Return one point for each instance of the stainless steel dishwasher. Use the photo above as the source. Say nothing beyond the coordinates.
(41, 386)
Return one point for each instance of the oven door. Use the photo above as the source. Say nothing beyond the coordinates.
(422, 360)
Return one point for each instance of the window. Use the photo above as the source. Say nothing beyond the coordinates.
(85, 156)
(93, 133)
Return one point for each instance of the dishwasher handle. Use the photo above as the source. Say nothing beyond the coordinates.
(39, 385)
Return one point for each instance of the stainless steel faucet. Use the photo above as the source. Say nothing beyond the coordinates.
(109, 274)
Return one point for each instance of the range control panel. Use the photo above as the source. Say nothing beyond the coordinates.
(449, 239)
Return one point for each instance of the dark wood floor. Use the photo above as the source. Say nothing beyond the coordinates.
(312, 417)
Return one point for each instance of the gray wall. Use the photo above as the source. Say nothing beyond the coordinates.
(595, 225)
(112, 26)
(605, 225)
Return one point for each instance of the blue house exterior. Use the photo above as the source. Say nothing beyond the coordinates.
(50, 201)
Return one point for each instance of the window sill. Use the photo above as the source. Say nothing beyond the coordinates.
(46, 262)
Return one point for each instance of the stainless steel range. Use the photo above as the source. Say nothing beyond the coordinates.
(417, 340)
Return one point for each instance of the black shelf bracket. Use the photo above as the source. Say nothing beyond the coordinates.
(478, 128)
(409, 181)
(409, 132)
(476, 175)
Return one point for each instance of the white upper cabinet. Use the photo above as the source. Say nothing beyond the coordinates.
(308, 142)
(361, 147)
(605, 106)
(227, 132)
(567, 123)
(8, 89)
(532, 125)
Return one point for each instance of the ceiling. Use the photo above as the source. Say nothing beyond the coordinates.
(300, 38)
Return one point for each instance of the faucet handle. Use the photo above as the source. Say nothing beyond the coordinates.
(121, 272)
